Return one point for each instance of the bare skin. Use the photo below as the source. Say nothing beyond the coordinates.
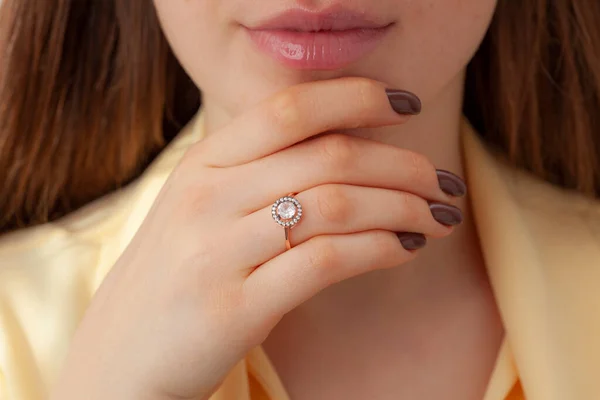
(179, 309)
(424, 330)
(183, 308)
(389, 334)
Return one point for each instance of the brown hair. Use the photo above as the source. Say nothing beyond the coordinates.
(533, 89)
(90, 92)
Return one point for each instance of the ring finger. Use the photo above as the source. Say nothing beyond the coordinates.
(340, 209)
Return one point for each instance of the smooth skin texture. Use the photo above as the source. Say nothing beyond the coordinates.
(207, 276)
(214, 304)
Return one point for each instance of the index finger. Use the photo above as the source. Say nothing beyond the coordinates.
(306, 110)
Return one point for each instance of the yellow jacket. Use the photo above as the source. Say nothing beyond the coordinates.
(541, 246)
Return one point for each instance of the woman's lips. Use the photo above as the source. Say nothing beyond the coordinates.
(326, 41)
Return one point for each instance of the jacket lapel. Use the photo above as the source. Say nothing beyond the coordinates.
(542, 249)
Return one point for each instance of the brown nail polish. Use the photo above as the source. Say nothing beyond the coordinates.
(450, 183)
(412, 241)
(446, 214)
(404, 102)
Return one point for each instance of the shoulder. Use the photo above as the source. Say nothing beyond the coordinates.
(564, 218)
(541, 245)
(551, 213)
(49, 273)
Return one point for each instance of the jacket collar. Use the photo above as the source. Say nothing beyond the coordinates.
(541, 246)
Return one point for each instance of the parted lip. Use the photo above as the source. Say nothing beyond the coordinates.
(335, 18)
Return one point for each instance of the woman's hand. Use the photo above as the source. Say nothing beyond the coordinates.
(208, 276)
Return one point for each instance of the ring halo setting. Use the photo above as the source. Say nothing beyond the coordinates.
(287, 211)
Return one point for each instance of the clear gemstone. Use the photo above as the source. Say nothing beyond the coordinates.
(286, 210)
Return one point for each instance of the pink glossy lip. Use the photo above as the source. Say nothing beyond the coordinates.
(327, 40)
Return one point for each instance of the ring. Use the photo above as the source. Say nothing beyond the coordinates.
(287, 212)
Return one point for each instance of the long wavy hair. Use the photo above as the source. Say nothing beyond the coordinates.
(90, 92)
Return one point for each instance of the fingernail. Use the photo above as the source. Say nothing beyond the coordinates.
(450, 183)
(412, 241)
(404, 102)
(446, 214)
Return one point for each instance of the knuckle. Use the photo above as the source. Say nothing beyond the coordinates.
(367, 94)
(410, 208)
(418, 165)
(200, 195)
(337, 151)
(285, 110)
(333, 204)
(367, 91)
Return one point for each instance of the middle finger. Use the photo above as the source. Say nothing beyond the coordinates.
(339, 158)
